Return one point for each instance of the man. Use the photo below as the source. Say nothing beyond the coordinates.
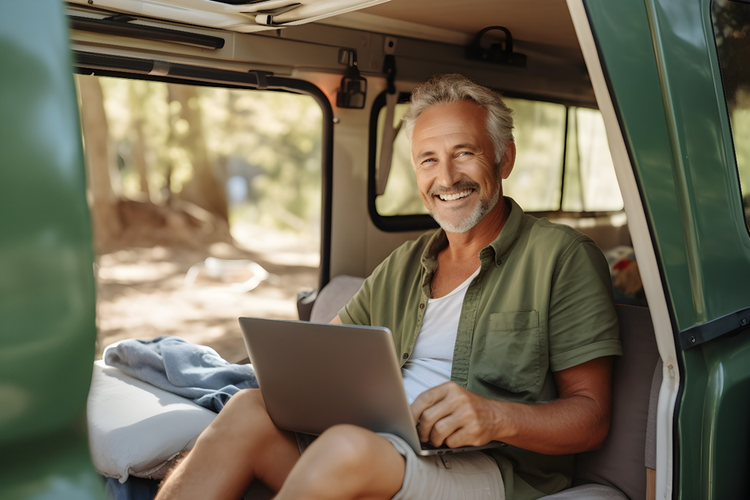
(504, 324)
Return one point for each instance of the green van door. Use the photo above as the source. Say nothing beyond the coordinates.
(661, 63)
(47, 318)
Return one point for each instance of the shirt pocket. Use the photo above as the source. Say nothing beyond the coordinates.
(510, 350)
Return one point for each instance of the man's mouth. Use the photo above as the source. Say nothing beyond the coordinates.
(455, 196)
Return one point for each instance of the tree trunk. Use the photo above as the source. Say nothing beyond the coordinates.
(103, 200)
(206, 188)
(137, 138)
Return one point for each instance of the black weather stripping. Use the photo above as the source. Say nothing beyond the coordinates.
(121, 26)
(731, 323)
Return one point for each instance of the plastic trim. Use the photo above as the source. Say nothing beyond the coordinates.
(120, 26)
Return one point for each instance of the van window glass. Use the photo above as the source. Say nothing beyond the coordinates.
(536, 182)
(205, 207)
(539, 131)
(401, 196)
(590, 180)
(731, 22)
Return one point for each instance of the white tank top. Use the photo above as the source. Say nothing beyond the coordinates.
(432, 358)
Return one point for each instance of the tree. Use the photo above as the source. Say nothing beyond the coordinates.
(205, 187)
(104, 211)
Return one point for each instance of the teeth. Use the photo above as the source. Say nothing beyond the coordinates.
(456, 196)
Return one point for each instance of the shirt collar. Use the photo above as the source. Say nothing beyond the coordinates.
(496, 250)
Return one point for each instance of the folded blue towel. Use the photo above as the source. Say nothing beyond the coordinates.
(189, 370)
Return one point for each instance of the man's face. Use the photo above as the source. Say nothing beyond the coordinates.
(454, 161)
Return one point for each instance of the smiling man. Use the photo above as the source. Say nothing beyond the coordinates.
(504, 324)
(467, 177)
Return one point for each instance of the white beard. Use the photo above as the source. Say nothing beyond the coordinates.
(482, 208)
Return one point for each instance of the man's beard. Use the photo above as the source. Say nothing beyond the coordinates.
(482, 208)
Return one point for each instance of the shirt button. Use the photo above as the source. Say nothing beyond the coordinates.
(421, 306)
(406, 355)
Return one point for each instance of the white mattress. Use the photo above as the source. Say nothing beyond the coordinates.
(136, 428)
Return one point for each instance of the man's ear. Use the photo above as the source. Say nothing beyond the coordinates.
(509, 160)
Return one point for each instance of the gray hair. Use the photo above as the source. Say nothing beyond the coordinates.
(454, 88)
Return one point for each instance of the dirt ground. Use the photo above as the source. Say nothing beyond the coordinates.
(147, 292)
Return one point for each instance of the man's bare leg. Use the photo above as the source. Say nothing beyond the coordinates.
(240, 445)
(346, 463)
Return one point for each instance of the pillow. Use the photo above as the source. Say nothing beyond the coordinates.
(136, 428)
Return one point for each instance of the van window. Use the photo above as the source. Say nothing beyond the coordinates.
(401, 196)
(539, 131)
(590, 180)
(731, 22)
(206, 206)
(553, 172)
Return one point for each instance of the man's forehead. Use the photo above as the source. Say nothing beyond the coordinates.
(457, 123)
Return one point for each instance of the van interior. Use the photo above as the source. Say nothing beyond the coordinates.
(209, 124)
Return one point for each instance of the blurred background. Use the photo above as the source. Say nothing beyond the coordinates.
(205, 206)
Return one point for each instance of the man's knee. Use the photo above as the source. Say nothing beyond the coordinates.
(246, 398)
(355, 460)
(348, 445)
(248, 402)
(344, 451)
(245, 413)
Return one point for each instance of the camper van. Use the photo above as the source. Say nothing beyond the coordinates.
(632, 122)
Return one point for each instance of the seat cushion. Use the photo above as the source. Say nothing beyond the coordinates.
(620, 461)
(136, 428)
(333, 297)
(588, 492)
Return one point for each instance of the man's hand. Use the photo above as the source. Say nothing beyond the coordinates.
(449, 414)
(575, 422)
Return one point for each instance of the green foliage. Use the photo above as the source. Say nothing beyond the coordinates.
(271, 139)
(539, 131)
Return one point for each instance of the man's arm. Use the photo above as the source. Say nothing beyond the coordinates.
(575, 422)
(336, 321)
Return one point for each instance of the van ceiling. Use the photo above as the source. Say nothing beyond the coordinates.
(543, 22)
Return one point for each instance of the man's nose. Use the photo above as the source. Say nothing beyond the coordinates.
(448, 174)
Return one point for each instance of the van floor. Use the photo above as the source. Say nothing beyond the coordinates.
(144, 293)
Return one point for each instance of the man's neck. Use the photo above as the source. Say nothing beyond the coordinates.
(467, 245)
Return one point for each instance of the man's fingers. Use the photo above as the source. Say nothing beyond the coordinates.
(454, 429)
(457, 420)
(428, 420)
(467, 433)
(427, 399)
(444, 429)
(437, 414)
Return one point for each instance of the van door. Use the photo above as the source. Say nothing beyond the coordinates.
(47, 323)
(660, 71)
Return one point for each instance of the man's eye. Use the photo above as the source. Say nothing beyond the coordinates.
(464, 153)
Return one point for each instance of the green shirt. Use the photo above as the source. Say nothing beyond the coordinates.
(542, 302)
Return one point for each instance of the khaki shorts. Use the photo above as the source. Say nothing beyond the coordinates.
(460, 476)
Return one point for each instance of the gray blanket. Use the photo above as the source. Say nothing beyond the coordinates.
(189, 370)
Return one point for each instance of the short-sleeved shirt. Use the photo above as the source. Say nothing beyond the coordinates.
(542, 303)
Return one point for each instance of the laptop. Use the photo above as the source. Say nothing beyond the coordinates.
(314, 376)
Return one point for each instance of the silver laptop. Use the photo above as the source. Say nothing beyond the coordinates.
(314, 376)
